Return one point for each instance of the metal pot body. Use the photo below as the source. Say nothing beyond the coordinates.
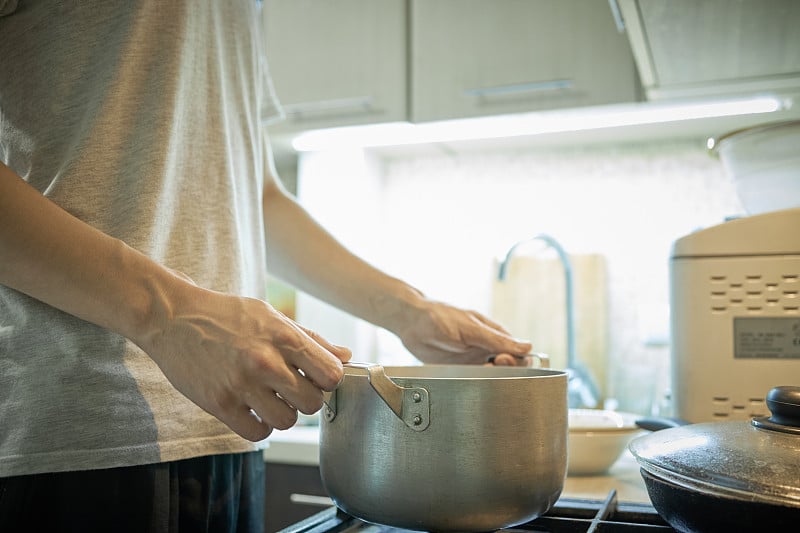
(460, 448)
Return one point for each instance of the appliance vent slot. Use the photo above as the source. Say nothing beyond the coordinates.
(736, 408)
(754, 293)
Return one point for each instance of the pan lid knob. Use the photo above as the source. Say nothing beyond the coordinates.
(784, 406)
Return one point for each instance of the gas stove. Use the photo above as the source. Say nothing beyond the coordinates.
(567, 515)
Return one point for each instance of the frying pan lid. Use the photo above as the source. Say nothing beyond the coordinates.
(756, 461)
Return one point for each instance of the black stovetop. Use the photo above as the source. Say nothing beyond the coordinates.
(567, 515)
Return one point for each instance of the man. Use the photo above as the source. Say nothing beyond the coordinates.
(139, 213)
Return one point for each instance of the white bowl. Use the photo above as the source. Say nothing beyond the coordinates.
(764, 163)
(597, 439)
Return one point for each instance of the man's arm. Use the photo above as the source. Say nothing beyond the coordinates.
(228, 354)
(304, 254)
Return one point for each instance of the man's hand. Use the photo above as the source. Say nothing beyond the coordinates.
(232, 356)
(441, 333)
(244, 362)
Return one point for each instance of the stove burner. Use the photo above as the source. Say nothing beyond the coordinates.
(567, 515)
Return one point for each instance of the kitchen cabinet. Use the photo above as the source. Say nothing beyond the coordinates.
(337, 63)
(293, 492)
(365, 61)
(476, 57)
(686, 48)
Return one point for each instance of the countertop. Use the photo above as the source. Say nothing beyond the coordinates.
(300, 445)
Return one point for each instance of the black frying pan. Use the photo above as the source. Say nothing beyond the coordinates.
(692, 510)
(764, 454)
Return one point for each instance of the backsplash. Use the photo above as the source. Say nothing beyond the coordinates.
(441, 221)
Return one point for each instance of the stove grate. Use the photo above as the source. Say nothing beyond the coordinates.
(568, 515)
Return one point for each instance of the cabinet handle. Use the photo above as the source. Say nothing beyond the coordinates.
(310, 499)
(520, 88)
(361, 104)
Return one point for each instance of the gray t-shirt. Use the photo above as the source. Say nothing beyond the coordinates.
(144, 119)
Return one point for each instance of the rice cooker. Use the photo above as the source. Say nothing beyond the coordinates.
(735, 316)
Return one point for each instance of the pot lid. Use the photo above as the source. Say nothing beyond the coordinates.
(755, 461)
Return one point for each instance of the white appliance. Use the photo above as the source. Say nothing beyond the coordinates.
(735, 316)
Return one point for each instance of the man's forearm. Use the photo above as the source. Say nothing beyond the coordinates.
(52, 256)
(304, 254)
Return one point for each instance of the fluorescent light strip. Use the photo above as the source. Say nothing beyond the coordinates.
(404, 133)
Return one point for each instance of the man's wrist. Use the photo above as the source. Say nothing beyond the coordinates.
(398, 307)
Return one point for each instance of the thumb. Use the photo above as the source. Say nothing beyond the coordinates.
(499, 338)
(495, 339)
(497, 342)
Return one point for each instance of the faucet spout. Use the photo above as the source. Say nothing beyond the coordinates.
(583, 391)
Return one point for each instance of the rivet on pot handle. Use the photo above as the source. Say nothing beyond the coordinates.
(409, 404)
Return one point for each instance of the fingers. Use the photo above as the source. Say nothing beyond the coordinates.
(450, 335)
(344, 354)
(286, 387)
(312, 364)
(489, 322)
(317, 359)
(505, 359)
(273, 410)
(247, 424)
(494, 338)
(244, 362)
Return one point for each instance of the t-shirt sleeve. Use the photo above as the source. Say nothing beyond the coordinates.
(271, 109)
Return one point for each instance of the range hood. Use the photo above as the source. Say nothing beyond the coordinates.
(710, 48)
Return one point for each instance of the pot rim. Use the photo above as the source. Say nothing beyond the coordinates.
(465, 372)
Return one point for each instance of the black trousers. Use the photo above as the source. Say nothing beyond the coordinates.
(220, 493)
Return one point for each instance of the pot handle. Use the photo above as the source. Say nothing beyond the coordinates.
(542, 358)
(409, 404)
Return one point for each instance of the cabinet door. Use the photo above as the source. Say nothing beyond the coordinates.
(687, 48)
(487, 57)
(337, 63)
(293, 493)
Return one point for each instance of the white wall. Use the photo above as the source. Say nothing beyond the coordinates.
(440, 220)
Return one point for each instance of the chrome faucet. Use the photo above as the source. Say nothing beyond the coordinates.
(582, 390)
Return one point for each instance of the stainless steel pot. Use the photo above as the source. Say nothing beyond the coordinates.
(445, 448)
